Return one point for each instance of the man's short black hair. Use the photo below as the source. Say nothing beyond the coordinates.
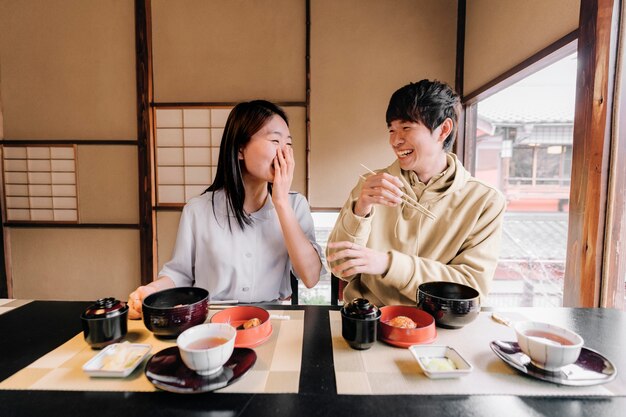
(426, 102)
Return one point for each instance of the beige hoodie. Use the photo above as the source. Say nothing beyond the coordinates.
(461, 245)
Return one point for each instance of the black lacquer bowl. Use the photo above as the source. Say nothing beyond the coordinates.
(170, 312)
(452, 305)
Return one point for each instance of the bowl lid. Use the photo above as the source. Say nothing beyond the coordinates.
(104, 308)
(360, 308)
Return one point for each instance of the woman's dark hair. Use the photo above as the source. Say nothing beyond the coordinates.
(426, 102)
(244, 120)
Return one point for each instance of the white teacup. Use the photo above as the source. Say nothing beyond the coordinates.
(549, 347)
(205, 348)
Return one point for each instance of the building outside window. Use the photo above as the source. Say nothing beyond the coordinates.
(523, 146)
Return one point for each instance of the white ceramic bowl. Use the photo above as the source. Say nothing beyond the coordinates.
(549, 347)
(202, 350)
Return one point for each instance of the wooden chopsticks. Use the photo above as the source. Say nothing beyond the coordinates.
(408, 200)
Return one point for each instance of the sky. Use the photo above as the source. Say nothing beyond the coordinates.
(547, 95)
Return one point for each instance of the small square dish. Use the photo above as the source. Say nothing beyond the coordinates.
(117, 360)
(440, 361)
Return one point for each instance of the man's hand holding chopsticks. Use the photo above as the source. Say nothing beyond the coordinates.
(378, 188)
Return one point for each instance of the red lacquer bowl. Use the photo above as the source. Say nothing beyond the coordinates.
(396, 336)
(237, 316)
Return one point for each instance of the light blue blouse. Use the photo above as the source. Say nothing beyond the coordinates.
(249, 265)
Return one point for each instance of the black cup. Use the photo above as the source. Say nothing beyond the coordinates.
(359, 323)
(105, 322)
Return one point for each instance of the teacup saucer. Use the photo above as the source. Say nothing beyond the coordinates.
(591, 368)
(166, 370)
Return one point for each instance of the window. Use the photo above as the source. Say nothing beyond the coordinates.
(321, 293)
(523, 146)
(187, 150)
(40, 183)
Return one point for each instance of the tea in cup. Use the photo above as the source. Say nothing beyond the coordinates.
(205, 348)
(549, 347)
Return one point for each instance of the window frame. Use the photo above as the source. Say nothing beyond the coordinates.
(596, 234)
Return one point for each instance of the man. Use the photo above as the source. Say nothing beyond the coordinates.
(423, 218)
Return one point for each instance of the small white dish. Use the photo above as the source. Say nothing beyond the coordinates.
(431, 359)
(117, 360)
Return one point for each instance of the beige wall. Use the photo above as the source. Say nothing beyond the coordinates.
(167, 227)
(107, 184)
(297, 128)
(501, 34)
(228, 50)
(74, 264)
(68, 69)
(68, 73)
(361, 52)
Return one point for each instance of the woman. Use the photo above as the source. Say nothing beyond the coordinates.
(241, 238)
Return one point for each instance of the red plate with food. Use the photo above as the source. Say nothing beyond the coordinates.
(405, 326)
(252, 323)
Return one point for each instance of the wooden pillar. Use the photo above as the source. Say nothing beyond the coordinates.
(459, 144)
(6, 283)
(588, 193)
(307, 87)
(614, 266)
(143, 48)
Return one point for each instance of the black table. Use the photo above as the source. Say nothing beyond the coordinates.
(31, 331)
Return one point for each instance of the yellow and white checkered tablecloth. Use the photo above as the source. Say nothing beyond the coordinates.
(277, 369)
(385, 369)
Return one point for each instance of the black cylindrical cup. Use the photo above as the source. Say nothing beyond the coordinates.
(105, 322)
(359, 323)
(102, 332)
(360, 334)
